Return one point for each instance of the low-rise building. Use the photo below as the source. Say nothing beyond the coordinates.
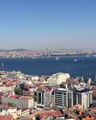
(19, 101)
(25, 111)
(7, 87)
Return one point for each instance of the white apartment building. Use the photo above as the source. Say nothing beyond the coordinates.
(58, 78)
(83, 97)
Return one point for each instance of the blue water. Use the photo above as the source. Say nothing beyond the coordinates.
(84, 66)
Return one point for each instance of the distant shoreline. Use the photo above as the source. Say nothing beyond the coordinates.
(45, 56)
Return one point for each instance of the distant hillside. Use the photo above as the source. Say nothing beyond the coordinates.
(21, 49)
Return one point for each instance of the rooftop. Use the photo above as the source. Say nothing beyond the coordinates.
(6, 117)
(25, 98)
(82, 90)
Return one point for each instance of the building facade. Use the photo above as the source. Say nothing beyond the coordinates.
(83, 97)
(58, 78)
(19, 101)
(63, 98)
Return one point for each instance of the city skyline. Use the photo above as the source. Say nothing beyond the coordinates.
(53, 24)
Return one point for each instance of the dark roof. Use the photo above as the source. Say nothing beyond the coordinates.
(84, 90)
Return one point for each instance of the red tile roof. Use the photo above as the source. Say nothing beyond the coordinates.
(46, 114)
(14, 96)
(24, 109)
(5, 117)
(9, 85)
(5, 106)
(25, 98)
(39, 85)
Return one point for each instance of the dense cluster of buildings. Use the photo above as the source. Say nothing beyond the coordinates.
(23, 53)
(55, 97)
(20, 53)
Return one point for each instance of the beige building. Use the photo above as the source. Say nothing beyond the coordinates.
(10, 111)
(5, 88)
(19, 101)
(58, 78)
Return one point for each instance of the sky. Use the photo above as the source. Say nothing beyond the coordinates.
(42, 24)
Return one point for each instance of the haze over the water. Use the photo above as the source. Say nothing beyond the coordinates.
(40, 24)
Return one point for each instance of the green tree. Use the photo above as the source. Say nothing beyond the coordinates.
(18, 91)
(35, 98)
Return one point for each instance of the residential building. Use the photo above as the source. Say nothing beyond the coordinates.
(25, 111)
(58, 78)
(5, 88)
(47, 96)
(39, 93)
(83, 97)
(19, 101)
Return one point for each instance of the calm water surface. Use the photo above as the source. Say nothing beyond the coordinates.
(75, 65)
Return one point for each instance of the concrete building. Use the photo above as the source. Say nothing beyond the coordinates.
(19, 101)
(83, 97)
(58, 78)
(48, 96)
(63, 97)
(44, 96)
(39, 93)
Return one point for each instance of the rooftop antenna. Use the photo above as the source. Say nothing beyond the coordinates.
(2, 66)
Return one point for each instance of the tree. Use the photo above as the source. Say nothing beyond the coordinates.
(35, 98)
(18, 91)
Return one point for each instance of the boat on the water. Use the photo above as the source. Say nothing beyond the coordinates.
(57, 58)
(75, 60)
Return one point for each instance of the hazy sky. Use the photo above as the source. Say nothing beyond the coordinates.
(40, 24)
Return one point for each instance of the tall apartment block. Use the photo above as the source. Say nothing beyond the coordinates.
(63, 97)
(83, 97)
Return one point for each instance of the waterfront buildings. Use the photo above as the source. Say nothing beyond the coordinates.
(23, 53)
(58, 91)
